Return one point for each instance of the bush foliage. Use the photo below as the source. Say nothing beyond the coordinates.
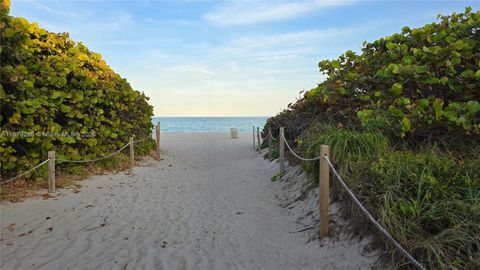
(428, 200)
(420, 82)
(402, 119)
(63, 97)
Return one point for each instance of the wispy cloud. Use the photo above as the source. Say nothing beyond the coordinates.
(293, 38)
(242, 13)
(197, 57)
(55, 9)
(189, 69)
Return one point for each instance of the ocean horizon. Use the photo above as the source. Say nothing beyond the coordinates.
(205, 124)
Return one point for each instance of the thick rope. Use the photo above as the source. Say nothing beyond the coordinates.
(271, 135)
(18, 176)
(141, 140)
(295, 154)
(91, 160)
(73, 161)
(370, 217)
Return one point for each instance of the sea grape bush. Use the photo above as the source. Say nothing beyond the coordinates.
(53, 85)
(402, 118)
(420, 81)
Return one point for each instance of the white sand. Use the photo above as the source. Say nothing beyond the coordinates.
(210, 204)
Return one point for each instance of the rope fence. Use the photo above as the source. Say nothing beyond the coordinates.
(52, 161)
(295, 154)
(24, 173)
(324, 174)
(325, 166)
(141, 140)
(271, 135)
(95, 159)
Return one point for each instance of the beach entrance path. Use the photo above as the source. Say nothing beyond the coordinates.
(210, 204)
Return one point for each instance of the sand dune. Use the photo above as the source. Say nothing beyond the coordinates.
(210, 204)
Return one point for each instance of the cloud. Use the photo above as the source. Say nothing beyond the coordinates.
(189, 69)
(211, 78)
(244, 13)
(55, 9)
(293, 38)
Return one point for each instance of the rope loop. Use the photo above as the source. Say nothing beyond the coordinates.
(295, 154)
(271, 135)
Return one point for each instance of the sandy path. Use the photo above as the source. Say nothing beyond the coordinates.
(209, 204)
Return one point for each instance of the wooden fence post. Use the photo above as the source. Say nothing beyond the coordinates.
(132, 153)
(51, 172)
(157, 131)
(269, 143)
(253, 129)
(282, 150)
(258, 138)
(324, 190)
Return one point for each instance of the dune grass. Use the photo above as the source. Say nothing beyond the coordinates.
(427, 198)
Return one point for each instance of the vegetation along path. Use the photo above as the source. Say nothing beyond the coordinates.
(210, 204)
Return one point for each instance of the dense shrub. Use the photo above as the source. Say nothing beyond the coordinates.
(63, 97)
(420, 82)
(403, 122)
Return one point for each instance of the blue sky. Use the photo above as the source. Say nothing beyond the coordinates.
(213, 58)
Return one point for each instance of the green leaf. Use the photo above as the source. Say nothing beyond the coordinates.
(421, 69)
(91, 142)
(403, 101)
(365, 97)
(396, 89)
(56, 94)
(458, 45)
(461, 121)
(406, 124)
(451, 116)
(28, 110)
(335, 64)
(391, 45)
(379, 73)
(65, 108)
(473, 107)
(437, 108)
(15, 118)
(364, 116)
(396, 69)
(468, 74)
(426, 49)
(423, 103)
(9, 32)
(28, 84)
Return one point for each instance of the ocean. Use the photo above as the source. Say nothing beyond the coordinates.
(208, 124)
